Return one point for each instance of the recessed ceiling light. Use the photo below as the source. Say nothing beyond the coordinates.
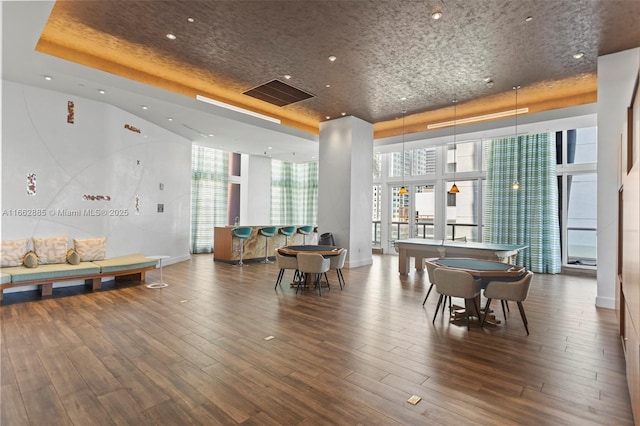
(287, 76)
(144, 107)
(343, 113)
(170, 118)
(171, 36)
(211, 135)
(332, 58)
(403, 98)
(190, 19)
(48, 77)
(102, 92)
(327, 85)
(328, 117)
(528, 19)
(437, 14)
(269, 147)
(578, 55)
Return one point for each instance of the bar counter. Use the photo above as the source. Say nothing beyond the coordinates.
(226, 248)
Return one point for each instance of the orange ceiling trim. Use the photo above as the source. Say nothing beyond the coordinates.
(168, 77)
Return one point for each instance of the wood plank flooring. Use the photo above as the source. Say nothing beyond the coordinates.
(195, 353)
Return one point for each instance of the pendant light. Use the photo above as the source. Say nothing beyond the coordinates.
(516, 184)
(454, 188)
(403, 189)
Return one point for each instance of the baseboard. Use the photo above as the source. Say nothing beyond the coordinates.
(605, 302)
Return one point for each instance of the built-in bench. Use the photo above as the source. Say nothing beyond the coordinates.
(130, 267)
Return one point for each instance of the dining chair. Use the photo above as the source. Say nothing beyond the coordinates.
(312, 263)
(336, 263)
(453, 283)
(284, 263)
(515, 291)
(432, 280)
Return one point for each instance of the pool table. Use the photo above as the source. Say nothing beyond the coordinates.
(424, 248)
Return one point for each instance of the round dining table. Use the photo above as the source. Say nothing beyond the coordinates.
(323, 250)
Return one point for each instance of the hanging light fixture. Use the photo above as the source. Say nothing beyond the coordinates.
(516, 184)
(403, 189)
(454, 188)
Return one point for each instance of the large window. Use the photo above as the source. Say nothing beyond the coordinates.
(294, 192)
(209, 189)
(463, 211)
(429, 211)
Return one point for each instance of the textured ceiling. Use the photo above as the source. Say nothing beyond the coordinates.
(385, 50)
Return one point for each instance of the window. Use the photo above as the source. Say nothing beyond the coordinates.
(462, 216)
(209, 186)
(581, 219)
(463, 157)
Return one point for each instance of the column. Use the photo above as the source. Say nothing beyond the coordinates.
(345, 186)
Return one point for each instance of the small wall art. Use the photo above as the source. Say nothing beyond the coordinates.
(137, 204)
(96, 197)
(31, 184)
(132, 128)
(70, 112)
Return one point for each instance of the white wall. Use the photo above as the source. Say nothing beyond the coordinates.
(94, 156)
(255, 190)
(616, 76)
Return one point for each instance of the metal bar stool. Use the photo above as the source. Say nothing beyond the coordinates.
(305, 230)
(287, 231)
(267, 232)
(242, 232)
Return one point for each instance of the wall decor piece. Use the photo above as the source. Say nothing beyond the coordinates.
(132, 128)
(137, 204)
(70, 112)
(138, 162)
(160, 208)
(96, 197)
(31, 184)
(161, 186)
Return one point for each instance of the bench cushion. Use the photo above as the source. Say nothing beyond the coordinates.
(53, 271)
(125, 263)
(5, 277)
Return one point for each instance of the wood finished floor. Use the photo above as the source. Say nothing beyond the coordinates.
(195, 353)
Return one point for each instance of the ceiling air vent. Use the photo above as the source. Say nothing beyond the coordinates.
(278, 93)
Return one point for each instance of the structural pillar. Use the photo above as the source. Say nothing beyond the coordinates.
(345, 182)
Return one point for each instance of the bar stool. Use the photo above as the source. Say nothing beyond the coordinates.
(242, 232)
(267, 232)
(287, 231)
(305, 230)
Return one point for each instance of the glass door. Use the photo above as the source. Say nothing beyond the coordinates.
(399, 228)
(424, 202)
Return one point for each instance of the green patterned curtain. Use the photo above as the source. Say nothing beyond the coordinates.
(294, 193)
(528, 215)
(210, 169)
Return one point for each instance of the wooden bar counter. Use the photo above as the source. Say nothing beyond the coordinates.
(226, 248)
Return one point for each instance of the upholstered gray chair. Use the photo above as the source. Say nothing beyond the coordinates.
(430, 269)
(337, 263)
(284, 263)
(515, 291)
(454, 283)
(312, 264)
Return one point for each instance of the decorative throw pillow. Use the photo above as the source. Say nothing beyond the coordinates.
(91, 249)
(51, 250)
(30, 260)
(13, 251)
(73, 257)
